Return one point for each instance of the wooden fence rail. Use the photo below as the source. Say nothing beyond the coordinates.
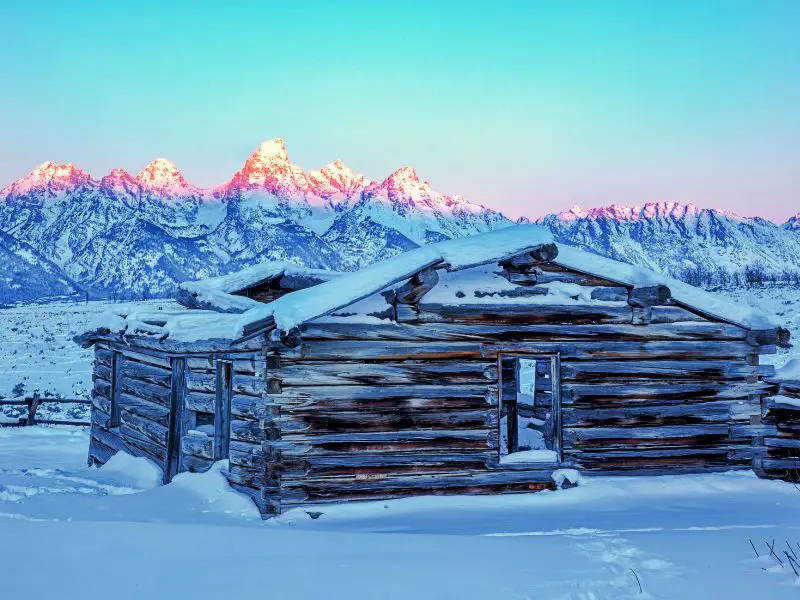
(33, 405)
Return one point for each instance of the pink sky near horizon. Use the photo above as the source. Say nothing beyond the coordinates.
(528, 108)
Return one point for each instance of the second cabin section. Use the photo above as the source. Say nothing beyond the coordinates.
(479, 365)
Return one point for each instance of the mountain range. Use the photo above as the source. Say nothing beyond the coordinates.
(63, 232)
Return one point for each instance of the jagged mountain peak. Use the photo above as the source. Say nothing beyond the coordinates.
(163, 176)
(269, 169)
(647, 211)
(51, 175)
(274, 150)
(337, 178)
(119, 179)
(404, 174)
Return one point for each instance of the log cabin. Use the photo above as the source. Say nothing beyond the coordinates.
(497, 363)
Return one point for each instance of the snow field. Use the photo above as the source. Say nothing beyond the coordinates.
(114, 532)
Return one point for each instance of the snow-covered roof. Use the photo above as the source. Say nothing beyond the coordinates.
(689, 296)
(299, 307)
(349, 290)
(219, 293)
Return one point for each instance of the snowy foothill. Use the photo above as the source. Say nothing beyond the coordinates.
(115, 531)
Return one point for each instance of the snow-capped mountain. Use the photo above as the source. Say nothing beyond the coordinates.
(139, 236)
(702, 246)
(26, 276)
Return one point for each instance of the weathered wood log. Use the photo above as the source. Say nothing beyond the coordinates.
(678, 314)
(629, 350)
(151, 430)
(610, 294)
(158, 413)
(549, 272)
(386, 442)
(247, 430)
(138, 444)
(416, 287)
(643, 297)
(611, 350)
(103, 356)
(633, 435)
(146, 373)
(199, 402)
(196, 464)
(157, 358)
(100, 418)
(779, 442)
(99, 453)
(406, 399)
(524, 313)
(605, 371)
(636, 415)
(384, 374)
(101, 387)
(198, 445)
(101, 402)
(206, 383)
(322, 422)
(359, 465)
(332, 489)
(146, 391)
(442, 332)
(102, 372)
(582, 393)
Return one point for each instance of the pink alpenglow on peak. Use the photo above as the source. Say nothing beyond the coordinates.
(648, 210)
(119, 180)
(269, 169)
(163, 177)
(50, 176)
(337, 178)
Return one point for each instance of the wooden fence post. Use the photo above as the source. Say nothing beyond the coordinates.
(33, 405)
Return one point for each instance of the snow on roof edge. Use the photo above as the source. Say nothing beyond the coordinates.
(299, 307)
(689, 296)
(219, 293)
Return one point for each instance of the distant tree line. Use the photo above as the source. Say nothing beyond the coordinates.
(751, 276)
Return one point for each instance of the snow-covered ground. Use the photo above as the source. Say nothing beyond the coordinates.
(37, 353)
(69, 531)
(114, 532)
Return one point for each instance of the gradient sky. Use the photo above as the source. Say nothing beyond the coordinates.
(528, 107)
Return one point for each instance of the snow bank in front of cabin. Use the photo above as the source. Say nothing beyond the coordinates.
(682, 537)
(212, 489)
(142, 474)
(790, 371)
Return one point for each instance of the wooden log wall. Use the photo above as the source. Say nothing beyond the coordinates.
(138, 388)
(781, 455)
(647, 387)
(244, 432)
(410, 408)
(149, 386)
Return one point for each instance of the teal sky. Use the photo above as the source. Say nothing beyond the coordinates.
(528, 107)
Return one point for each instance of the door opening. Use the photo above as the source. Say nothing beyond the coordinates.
(530, 409)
